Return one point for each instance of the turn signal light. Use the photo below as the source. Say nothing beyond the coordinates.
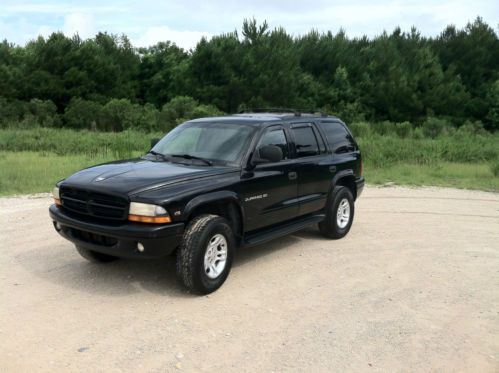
(150, 219)
(56, 195)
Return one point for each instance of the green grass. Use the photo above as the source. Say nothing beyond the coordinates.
(33, 160)
(69, 142)
(32, 172)
(448, 174)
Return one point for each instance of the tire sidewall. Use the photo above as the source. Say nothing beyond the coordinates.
(342, 193)
(201, 280)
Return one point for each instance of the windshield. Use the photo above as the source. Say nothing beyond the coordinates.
(223, 142)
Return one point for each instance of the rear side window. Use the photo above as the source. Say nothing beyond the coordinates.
(305, 141)
(338, 137)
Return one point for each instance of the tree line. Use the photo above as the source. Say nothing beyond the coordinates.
(105, 83)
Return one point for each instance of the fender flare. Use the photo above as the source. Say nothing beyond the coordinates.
(340, 175)
(203, 199)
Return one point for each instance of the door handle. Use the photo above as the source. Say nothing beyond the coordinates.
(332, 168)
(292, 175)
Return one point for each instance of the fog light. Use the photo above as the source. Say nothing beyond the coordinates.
(140, 247)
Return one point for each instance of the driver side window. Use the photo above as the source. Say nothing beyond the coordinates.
(275, 137)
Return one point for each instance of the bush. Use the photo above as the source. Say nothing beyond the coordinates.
(433, 127)
(384, 128)
(83, 114)
(205, 111)
(44, 112)
(182, 108)
(148, 119)
(494, 167)
(360, 129)
(417, 133)
(176, 110)
(12, 111)
(403, 130)
(471, 128)
(117, 115)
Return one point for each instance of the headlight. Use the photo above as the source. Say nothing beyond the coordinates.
(147, 213)
(55, 194)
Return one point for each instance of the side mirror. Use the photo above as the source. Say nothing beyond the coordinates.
(267, 154)
(154, 142)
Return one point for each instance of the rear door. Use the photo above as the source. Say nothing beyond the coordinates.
(315, 167)
(269, 191)
(345, 151)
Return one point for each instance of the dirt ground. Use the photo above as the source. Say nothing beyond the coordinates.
(413, 287)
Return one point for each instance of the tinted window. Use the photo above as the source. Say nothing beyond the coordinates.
(338, 137)
(278, 138)
(305, 141)
(215, 141)
(322, 146)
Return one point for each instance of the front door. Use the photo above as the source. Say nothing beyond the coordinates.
(270, 190)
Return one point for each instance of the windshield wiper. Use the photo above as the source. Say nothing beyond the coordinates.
(160, 155)
(188, 156)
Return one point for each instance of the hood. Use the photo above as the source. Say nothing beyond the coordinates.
(137, 175)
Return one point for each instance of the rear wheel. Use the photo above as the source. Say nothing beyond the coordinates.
(339, 214)
(205, 255)
(94, 256)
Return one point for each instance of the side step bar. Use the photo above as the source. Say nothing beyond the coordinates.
(282, 230)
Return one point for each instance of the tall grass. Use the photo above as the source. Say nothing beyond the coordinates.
(381, 151)
(70, 142)
(32, 160)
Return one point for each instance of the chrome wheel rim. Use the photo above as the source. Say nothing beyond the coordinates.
(343, 213)
(215, 257)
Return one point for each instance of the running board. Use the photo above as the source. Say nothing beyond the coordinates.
(282, 230)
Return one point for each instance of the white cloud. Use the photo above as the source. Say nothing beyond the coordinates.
(55, 8)
(44, 31)
(186, 39)
(185, 22)
(82, 24)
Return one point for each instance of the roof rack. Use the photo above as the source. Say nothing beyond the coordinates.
(296, 113)
(271, 110)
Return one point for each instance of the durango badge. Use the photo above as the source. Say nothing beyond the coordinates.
(259, 196)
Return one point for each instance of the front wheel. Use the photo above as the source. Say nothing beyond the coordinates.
(339, 214)
(205, 255)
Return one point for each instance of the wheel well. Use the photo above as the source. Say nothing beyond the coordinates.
(225, 208)
(349, 182)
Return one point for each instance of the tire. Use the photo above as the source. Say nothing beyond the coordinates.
(205, 240)
(334, 226)
(94, 256)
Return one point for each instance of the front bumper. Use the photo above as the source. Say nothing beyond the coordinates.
(118, 240)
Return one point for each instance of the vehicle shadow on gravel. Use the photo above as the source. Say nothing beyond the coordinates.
(246, 255)
(63, 266)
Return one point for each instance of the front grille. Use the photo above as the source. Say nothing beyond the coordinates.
(93, 238)
(92, 204)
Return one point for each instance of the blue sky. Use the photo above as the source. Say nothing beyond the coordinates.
(185, 22)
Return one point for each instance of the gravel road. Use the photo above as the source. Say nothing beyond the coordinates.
(413, 287)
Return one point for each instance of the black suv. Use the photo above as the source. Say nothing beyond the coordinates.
(212, 185)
